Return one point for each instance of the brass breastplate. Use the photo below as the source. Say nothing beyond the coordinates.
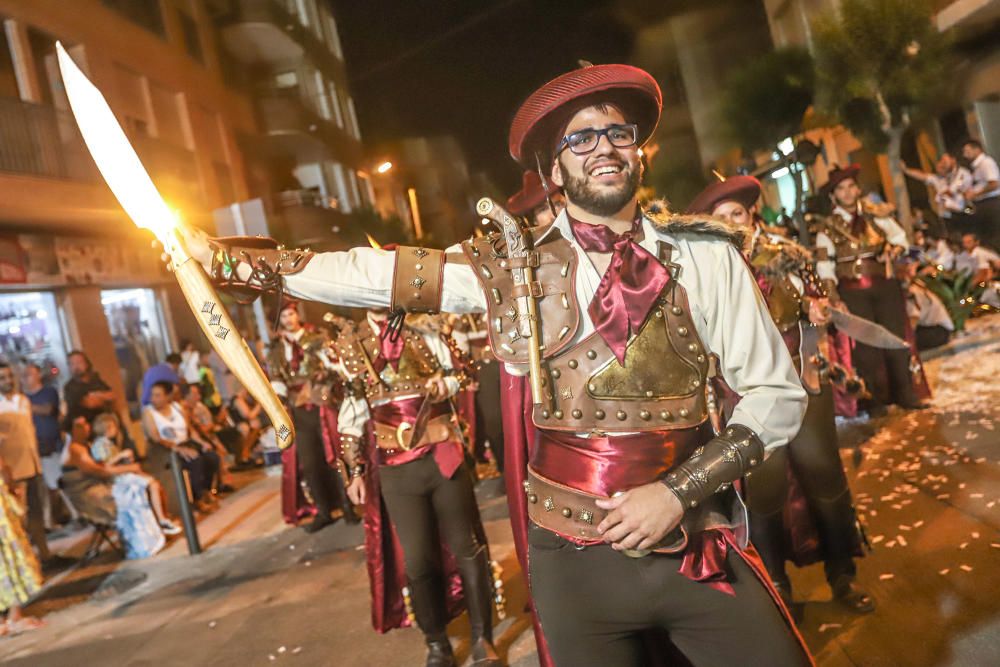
(660, 387)
(850, 246)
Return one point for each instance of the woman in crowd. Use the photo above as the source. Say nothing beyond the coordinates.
(20, 573)
(248, 416)
(111, 493)
(167, 429)
(205, 431)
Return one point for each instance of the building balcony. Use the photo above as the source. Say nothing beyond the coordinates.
(305, 218)
(268, 32)
(37, 140)
(292, 129)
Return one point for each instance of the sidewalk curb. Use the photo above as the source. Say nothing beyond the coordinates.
(961, 345)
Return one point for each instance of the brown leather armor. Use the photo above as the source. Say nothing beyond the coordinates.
(783, 300)
(312, 382)
(856, 253)
(660, 387)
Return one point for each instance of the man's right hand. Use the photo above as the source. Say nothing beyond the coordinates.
(356, 491)
(196, 242)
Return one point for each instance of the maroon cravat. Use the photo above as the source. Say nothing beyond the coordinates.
(628, 289)
(390, 347)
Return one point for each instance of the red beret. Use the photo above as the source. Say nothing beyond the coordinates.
(838, 174)
(287, 303)
(741, 189)
(531, 195)
(547, 109)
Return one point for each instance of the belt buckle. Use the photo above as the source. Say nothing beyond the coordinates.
(400, 432)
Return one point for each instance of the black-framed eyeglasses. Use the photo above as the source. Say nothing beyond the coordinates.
(586, 141)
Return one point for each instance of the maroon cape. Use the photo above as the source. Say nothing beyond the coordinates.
(294, 504)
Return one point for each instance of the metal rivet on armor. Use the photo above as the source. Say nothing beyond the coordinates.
(672, 476)
(572, 363)
(486, 271)
(730, 431)
(665, 415)
(498, 325)
(621, 414)
(503, 263)
(701, 358)
(558, 414)
(563, 332)
(564, 271)
(649, 393)
(556, 373)
(677, 310)
(692, 347)
(599, 414)
(644, 415)
(506, 348)
(591, 354)
(545, 414)
(567, 512)
(694, 503)
(659, 314)
(591, 387)
(532, 498)
(418, 267)
(497, 297)
(753, 462)
(696, 382)
(475, 250)
(577, 414)
(683, 331)
(684, 412)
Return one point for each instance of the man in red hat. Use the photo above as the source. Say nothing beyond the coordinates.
(855, 249)
(537, 203)
(302, 373)
(635, 526)
(786, 276)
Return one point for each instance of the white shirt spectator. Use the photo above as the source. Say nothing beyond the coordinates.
(941, 254)
(984, 170)
(949, 190)
(924, 306)
(977, 260)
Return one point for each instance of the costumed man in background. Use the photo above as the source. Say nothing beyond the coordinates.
(401, 446)
(303, 373)
(855, 250)
(635, 525)
(798, 306)
(537, 203)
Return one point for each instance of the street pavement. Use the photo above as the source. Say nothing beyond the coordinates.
(927, 484)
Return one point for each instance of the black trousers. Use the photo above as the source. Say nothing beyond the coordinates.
(594, 603)
(425, 507)
(815, 459)
(885, 372)
(930, 337)
(325, 485)
(489, 420)
(202, 470)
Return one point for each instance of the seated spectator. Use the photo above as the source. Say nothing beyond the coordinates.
(934, 251)
(248, 416)
(205, 430)
(111, 493)
(976, 260)
(20, 573)
(167, 428)
(106, 449)
(928, 315)
(168, 371)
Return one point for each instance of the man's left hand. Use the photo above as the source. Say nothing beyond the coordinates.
(641, 517)
(437, 389)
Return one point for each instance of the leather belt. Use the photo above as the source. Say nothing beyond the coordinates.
(438, 429)
(574, 515)
(860, 267)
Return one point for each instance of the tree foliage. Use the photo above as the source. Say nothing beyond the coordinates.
(880, 64)
(766, 98)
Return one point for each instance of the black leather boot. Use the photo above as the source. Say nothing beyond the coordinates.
(427, 600)
(439, 653)
(477, 584)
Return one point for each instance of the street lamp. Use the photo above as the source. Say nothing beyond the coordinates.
(384, 167)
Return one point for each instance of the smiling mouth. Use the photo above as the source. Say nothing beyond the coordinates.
(606, 170)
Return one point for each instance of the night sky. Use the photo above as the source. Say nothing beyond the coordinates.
(462, 67)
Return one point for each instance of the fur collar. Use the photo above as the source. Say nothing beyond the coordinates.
(778, 259)
(703, 225)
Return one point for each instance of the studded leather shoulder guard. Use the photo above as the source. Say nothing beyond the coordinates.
(269, 262)
(714, 466)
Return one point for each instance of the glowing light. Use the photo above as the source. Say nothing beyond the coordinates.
(112, 152)
(779, 173)
(372, 242)
(384, 167)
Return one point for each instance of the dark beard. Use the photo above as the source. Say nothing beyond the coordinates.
(599, 203)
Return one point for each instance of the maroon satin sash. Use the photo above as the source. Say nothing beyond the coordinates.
(389, 350)
(448, 454)
(628, 289)
(604, 465)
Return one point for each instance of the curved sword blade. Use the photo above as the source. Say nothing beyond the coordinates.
(866, 331)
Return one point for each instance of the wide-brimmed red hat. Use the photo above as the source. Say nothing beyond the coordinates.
(741, 189)
(838, 174)
(531, 195)
(543, 115)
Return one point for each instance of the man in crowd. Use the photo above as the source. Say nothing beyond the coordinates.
(984, 192)
(625, 462)
(86, 394)
(950, 182)
(855, 250)
(932, 325)
(19, 451)
(537, 204)
(166, 371)
(799, 307)
(45, 415)
(977, 261)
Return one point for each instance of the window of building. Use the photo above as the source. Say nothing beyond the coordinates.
(30, 332)
(8, 75)
(131, 101)
(167, 110)
(355, 190)
(320, 97)
(192, 40)
(43, 51)
(338, 113)
(144, 13)
(343, 198)
(286, 80)
(332, 36)
(353, 116)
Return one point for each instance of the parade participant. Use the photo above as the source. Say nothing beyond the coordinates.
(539, 204)
(632, 307)
(303, 373)
(854, 254)
(798, 305)
(469, 331)
(403, 451)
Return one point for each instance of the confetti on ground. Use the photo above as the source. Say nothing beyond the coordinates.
(829, 626)
(965, 568)
(901, 540)
(944, 571)
(963, 545)
(877, 539)
(212, 624)
(296, 650)
(886, 576)
(281, 649)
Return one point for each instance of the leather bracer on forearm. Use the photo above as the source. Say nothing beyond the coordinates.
(351, 455)
(716, 465)
(267, 264)
(417, 281)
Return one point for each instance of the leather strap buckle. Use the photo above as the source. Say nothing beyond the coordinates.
(401, 439)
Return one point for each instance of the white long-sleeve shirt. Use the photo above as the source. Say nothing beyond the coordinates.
(355, 410)
(826, 269)
(727, 308)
